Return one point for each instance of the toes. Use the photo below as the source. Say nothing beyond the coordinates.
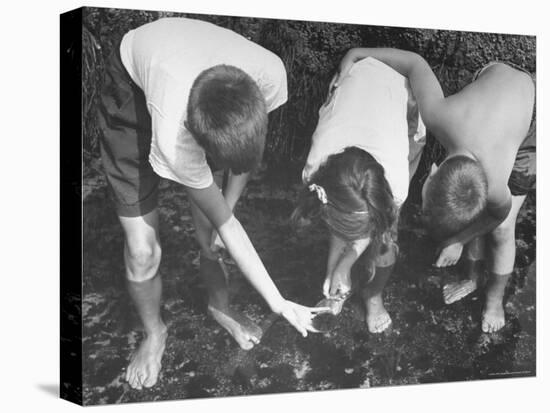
(246, 345)
(484, 326)
(379, 324)
(251, 339)
(384, 325)
(131, 376)
(498, 326)
(134, 383)
(138, 380)
(150, 380)
(145, 376)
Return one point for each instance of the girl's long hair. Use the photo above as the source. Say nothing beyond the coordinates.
(359, 203)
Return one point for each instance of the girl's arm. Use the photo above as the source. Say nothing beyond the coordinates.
(424, 84)
(347, 256)
(336, 249)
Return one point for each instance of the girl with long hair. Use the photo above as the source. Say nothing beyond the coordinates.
(365, 149)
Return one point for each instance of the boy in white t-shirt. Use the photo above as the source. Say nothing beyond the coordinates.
(182, 97)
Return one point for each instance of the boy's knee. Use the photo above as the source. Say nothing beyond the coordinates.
(143, 260)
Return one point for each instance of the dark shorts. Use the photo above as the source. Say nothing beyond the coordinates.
(524, 173)
(126, 141)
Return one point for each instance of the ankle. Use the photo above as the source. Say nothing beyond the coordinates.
(158, 330)
(372, 298)
(218, 301)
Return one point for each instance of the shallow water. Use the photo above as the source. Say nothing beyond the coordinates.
(428, 341)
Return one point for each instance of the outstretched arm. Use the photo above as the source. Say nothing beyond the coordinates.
(212, 204)
(232, 193)
(342, 256)
(235, 188)
(424, 84)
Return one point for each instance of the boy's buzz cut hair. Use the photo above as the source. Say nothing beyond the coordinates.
(455, 196)
(227, 115)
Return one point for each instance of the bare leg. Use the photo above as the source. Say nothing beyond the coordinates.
(142, 257)
(473, 266)
(338, 286)
(245, 332)
(378, 318)
(503, 251)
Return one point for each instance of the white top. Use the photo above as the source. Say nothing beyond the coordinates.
(164, 58)
(370, 109)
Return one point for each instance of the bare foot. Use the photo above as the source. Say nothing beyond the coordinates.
(458, 290)
(144, 368)
(378, 318)
(492, 319)
(243, 330)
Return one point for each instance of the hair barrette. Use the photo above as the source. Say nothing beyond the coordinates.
(321, 194)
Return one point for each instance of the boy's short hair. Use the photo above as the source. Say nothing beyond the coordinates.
(455, 196)
(227, 115)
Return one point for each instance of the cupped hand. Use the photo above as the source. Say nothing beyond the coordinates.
(449, 255)
(337, 284)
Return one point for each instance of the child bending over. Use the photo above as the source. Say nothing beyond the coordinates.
(473, 198)
(183, 98)
(365, 149)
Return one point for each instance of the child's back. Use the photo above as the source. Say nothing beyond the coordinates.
(490, 118)
(369, 110)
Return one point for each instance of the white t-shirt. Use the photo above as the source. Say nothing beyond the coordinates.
(164, 58)
(372, 109)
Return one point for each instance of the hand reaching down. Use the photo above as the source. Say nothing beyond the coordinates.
(449, 255)
(337, 284)
(300, 316)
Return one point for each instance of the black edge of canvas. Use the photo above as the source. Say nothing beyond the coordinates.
(71, 206)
